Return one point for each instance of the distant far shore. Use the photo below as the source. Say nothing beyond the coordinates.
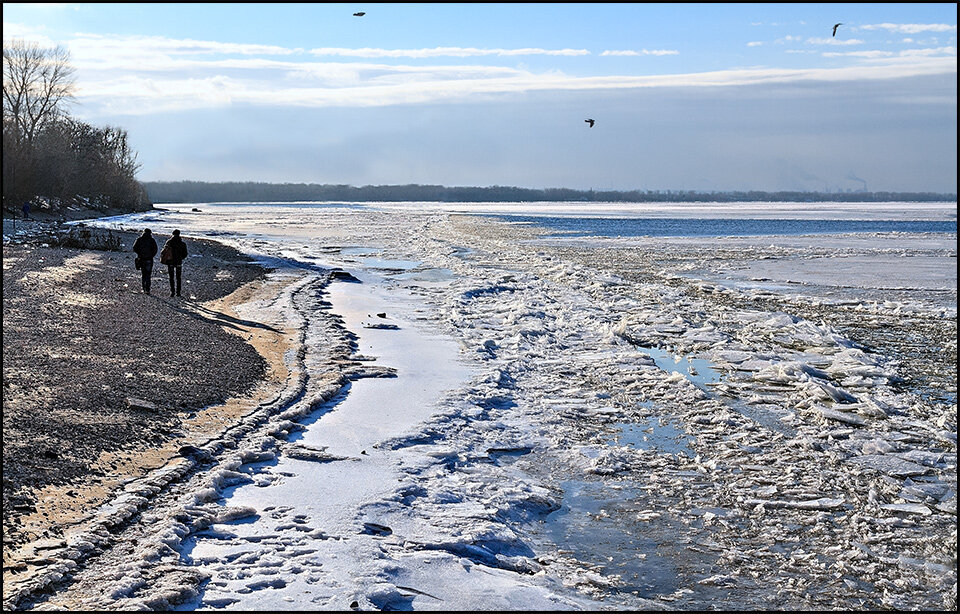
(199, 191)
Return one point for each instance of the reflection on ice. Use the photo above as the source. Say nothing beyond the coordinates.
(388, 264)
(653, 434)
(428, 275)
(599, 527)
(697, 370)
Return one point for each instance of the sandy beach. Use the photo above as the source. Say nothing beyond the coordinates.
(104, 384)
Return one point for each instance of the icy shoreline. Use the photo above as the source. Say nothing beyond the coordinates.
(809, 477)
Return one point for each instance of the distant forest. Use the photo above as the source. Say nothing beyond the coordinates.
(203, 192)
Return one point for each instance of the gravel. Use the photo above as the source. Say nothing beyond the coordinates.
(83, 347)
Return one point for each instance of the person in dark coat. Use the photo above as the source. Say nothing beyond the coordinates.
(173, 254)
(145, 248)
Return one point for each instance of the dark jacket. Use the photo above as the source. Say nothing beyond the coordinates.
(145, 247)
(178, 250)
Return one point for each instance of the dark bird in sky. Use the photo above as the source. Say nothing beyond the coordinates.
(361, 14)
(835, 26)
(590, 121)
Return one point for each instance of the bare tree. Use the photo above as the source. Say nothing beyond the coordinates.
(37, 83)
(46, 152)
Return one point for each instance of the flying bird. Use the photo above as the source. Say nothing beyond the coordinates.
(835, 26)
(361, 14)
(590, 121)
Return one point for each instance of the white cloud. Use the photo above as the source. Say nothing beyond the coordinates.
(905, 54)
(910, 28)
(139, 75)
(858, 54)
(93, 45)
(787, 39)
(834, 41)
(21, 31)
(930, 52)
(435, 52)
(755, 44)
(159, 53)
(631, 52)
(139, 95)
(133, 95)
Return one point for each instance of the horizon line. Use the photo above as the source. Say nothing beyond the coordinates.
(514, 187)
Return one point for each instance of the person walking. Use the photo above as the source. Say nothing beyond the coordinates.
(146, 248)
(173, 254)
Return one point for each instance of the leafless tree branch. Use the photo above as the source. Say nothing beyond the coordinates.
(37, 84)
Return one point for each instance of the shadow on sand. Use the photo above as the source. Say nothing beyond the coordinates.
(198, 312)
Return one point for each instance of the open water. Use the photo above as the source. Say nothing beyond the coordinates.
(700, 227)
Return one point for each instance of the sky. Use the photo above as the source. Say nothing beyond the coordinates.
(706, 97)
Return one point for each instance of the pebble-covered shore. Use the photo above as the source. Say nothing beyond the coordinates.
(97, 374)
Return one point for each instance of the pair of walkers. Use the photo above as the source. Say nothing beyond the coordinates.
(173, 253)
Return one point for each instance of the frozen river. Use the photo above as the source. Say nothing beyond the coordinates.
(571, 421)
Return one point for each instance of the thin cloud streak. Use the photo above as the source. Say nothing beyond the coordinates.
(858, 54)
(140, 95)
(910, 28)
(834, 41)
(335, 73)
(436, 52)
(907, 53)
(630, 52)
(100, 44)
(92, 46)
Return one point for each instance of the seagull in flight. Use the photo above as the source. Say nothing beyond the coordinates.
(360, 14)
(590, 121)
(835, 26)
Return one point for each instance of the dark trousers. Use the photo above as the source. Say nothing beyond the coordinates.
(146, 267)
(174, 272)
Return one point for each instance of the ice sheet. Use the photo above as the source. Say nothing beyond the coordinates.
(818, 471)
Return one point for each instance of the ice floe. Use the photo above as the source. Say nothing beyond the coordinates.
(804, 473)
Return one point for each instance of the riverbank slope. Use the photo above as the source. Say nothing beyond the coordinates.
(103, 383)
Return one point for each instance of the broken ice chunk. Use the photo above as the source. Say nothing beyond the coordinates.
(889, 464)
(908, 508)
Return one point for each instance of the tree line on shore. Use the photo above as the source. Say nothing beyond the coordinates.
(49, 158)
(238, 191)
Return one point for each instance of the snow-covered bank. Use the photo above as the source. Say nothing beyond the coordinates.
(572, 464)
(323, 536)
